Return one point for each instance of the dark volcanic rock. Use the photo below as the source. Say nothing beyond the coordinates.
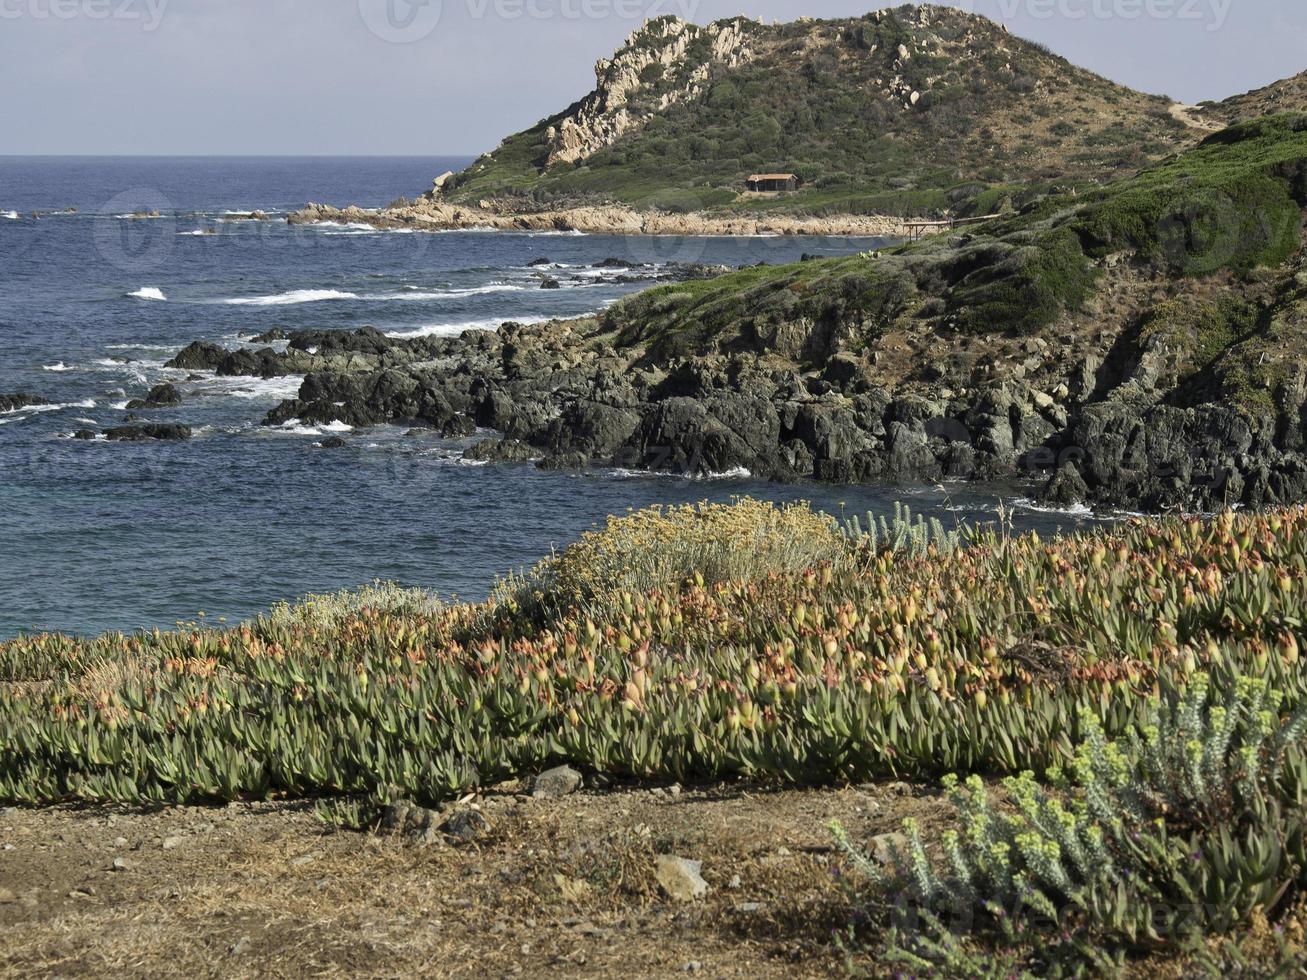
(333, 442)
(276, 333)
(367, 340)
(1067, 488)
(393, 395)
(199, 356)
(146, 433)
(11, 403)
(550, 283)
(1164, 456)
(785, 398)
(163, 395)
(500, 451)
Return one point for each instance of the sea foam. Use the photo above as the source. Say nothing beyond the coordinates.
(292, 298)
(149, 292)
(457, 329)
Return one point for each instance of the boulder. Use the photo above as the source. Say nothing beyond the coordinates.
(164, 395)
(418, 824)
(12, 403)
(466, 826)
(146, 433)
(556, 783)
(1067, 488)
(680, 879)
(500, 451)
(199, 356)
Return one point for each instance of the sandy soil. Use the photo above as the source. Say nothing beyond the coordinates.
(558, 887)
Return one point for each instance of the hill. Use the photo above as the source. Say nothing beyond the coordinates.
(1286, 95)
(908, 111)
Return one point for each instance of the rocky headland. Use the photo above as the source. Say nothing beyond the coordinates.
(1138, 349)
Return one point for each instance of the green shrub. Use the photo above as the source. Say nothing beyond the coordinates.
(331, 610)
(1184, 827)
(660, 550)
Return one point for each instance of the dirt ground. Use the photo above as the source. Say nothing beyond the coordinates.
(562, 887)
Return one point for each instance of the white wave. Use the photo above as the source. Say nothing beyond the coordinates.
(343, 225)
(119, 406)
(292, 298)
(1075, 510)
(37, 409)
(148, 292)
(457, 329)
(296, 427)
(416, 293)
(194, 234)
(254, 388)
(86, 421)
(11, 215)
(622, 473)
(60, 366)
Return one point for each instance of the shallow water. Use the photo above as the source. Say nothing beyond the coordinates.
(95, 536)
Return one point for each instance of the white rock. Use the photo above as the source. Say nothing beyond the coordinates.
(680, 878)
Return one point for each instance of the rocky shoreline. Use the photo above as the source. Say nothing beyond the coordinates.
(565, 395)
(437, 215)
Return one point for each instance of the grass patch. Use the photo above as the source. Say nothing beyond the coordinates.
(1231, 205)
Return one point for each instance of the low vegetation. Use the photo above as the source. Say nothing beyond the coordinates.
(1228, 207)
(1150, 675)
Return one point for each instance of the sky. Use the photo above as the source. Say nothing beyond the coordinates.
(452, 77)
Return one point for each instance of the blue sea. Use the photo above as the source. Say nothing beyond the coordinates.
(97, 536)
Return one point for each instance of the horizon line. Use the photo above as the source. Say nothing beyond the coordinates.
(246, 156)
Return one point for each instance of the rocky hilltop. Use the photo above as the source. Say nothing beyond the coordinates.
(1140, 347)
(917, 111)
(660, 50)
(908, 111)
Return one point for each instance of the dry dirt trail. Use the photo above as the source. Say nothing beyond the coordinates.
(558, 887)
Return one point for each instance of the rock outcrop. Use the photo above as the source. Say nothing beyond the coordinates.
(436, 215)
(651, 73)
(18, 400)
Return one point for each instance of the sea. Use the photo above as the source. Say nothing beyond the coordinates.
(96, 294)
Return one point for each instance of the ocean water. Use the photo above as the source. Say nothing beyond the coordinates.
(97, 536)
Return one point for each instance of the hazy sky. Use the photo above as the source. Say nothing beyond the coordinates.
(454, 76)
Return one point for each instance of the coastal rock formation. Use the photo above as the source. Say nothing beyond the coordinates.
(171, 431)
(427, 215)
(12, 403)
(164, 395)
(1085, 347)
